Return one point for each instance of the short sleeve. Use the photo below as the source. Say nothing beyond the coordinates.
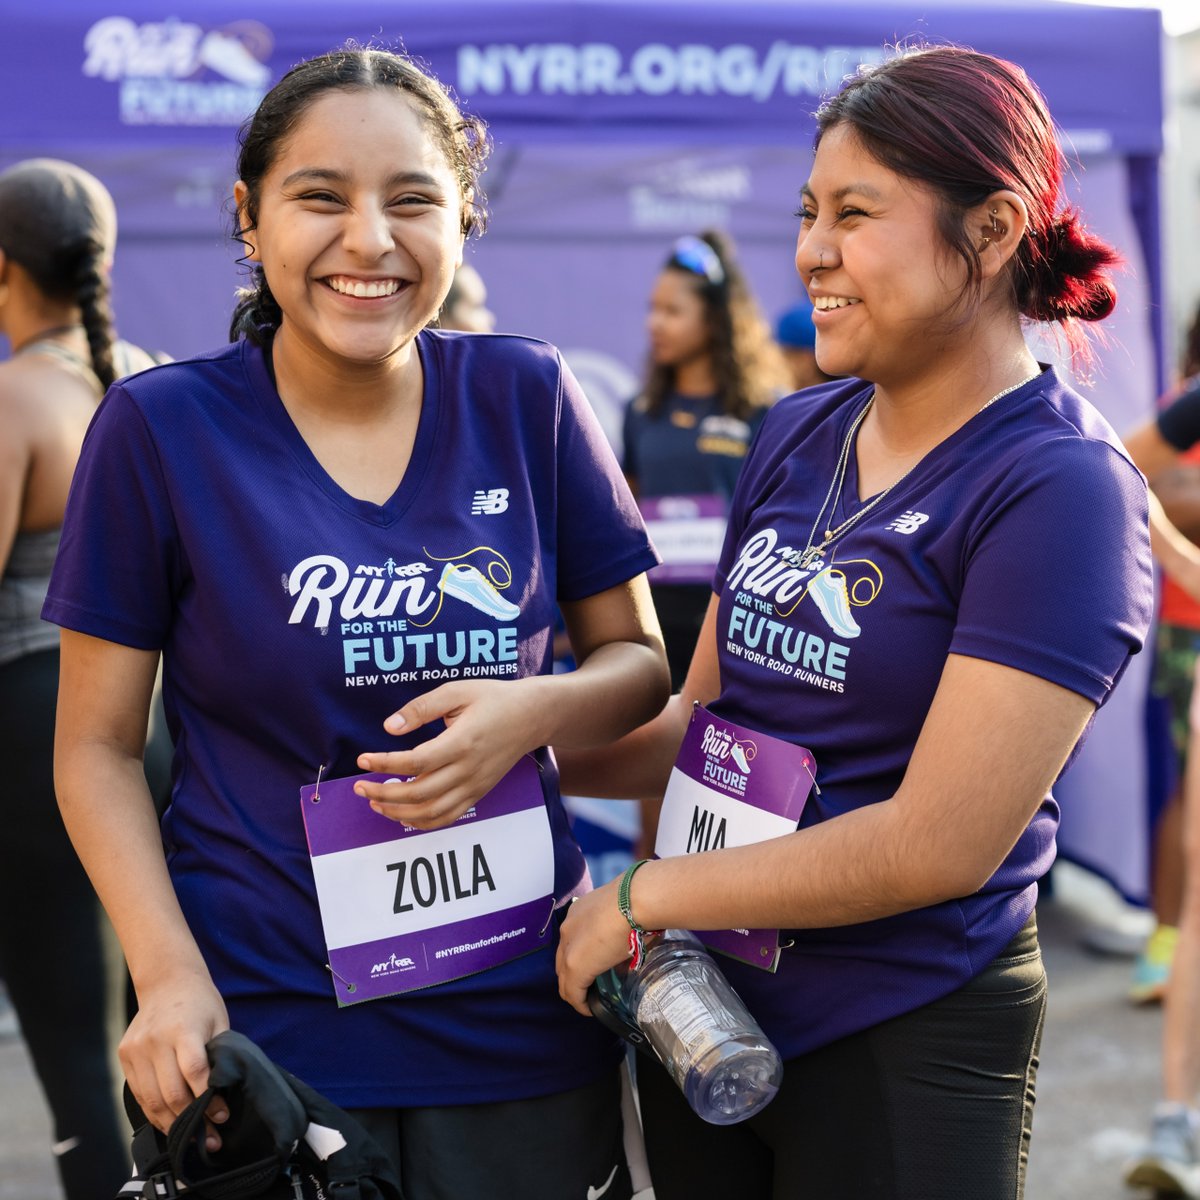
(1058, 577)
(602, 540)
(1179, 422)
(118, 563)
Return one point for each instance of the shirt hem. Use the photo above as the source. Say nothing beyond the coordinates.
(523, 1087)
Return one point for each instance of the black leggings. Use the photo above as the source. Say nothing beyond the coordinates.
(52, 953)
(933, 1105)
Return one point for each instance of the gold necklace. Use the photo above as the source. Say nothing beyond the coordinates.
(813, 553)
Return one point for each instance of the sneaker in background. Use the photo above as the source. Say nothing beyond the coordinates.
(1167, 1163)
(1153, 966)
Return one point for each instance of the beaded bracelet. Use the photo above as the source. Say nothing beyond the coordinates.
(637, 933)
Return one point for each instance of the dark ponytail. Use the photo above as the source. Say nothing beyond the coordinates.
(94, 296)
(1062, 273)
(256, 309)
(59, 223)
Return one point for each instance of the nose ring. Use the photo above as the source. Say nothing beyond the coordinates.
(821, 261)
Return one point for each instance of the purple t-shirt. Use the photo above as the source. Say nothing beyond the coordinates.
(1022, 540)
(293, 618)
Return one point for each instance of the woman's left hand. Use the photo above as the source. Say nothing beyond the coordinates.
(594, 937)
(489, 725)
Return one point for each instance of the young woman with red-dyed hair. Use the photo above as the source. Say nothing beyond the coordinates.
(935, 572)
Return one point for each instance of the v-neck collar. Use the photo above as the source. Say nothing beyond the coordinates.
(848, 502)
(420, 460)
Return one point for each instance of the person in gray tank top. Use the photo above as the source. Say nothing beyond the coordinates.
(57, 236)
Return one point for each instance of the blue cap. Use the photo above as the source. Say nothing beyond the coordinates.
(795, 327)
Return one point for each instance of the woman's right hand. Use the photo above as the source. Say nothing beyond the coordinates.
(164, 1053)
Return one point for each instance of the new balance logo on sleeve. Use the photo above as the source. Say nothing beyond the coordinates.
(490, 502)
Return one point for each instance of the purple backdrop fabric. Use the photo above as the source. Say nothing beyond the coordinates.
(741, 71)
(619, 125)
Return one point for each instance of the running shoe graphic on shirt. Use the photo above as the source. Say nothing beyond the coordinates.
(828, 590)
(468, 584)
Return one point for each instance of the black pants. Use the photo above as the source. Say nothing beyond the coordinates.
(555, 1147)
(933, 1105)
(52, 953)
(681, 609)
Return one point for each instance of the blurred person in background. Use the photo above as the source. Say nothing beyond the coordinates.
(465, 307)
(796, 337)
(712, 372)
(58, 232)
(1167, 449)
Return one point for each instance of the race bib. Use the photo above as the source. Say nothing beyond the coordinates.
(731, 786)
(406, 908)
(687, 532)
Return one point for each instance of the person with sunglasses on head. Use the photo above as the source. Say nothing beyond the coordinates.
(936, 570)
(712, 372)
(345, 535)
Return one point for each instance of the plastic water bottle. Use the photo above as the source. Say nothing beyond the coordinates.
(680, 1006)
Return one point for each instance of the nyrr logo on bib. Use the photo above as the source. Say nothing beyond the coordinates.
(726, 760)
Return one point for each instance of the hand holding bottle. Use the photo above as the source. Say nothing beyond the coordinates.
(679, 1006)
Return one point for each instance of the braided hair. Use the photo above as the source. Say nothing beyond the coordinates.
(59, 223)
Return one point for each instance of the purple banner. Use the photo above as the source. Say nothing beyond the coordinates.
(755, 69)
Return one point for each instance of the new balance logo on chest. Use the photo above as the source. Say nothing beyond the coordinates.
(490, 501)
(908, 522)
